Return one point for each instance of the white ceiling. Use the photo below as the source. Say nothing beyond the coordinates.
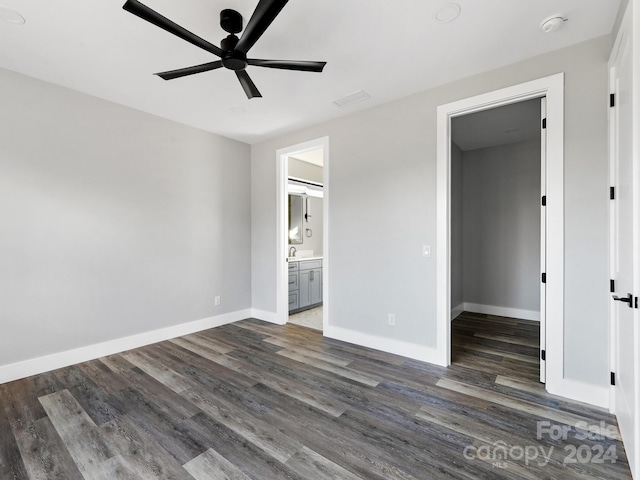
(390, 49)
(513, 123)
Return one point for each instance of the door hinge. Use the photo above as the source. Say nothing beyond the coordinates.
(544, 278)
(612, 99)
(544, 200)
(543, 355)
(613, 378)
(612, 286)
(612, 193)
(636, 302)
(544, 123)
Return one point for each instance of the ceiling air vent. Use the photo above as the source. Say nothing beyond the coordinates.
(358, 96)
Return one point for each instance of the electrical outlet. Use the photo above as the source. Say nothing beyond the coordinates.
(392, 319)
(216, 300)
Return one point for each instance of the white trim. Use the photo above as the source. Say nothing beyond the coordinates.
(542, 345)
(265, 316)
(502, 311)
(282, 303)
(326, 298)
(54, 361)
(384, 344)
(552, 88)
(583, 392)
(635, 8)
(457, 310)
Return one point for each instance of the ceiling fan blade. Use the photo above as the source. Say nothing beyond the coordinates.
(151, 16)
(303, 66)
(263, 15)
(247, 84)
(183, 72)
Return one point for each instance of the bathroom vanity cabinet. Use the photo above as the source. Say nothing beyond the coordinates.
(305, 284)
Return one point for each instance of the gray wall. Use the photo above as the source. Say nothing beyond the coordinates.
(457, 239)
(382, 189)
(114, 222)
(305, 170)
(501, 226)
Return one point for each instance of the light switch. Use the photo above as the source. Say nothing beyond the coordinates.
(426, 250)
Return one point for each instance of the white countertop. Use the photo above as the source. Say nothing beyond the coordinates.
(301, 259)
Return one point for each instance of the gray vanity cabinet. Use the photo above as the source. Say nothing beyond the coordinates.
(305, 284)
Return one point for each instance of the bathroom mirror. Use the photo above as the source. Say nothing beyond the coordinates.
(296, 215)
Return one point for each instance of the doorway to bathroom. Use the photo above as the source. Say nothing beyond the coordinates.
(303, 235)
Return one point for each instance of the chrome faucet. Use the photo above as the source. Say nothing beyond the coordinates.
(294, 251)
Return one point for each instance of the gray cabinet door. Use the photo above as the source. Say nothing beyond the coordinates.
(304, 298)
(310, 285)
(315, 286)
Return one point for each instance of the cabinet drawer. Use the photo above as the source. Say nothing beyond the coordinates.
(310, 264)
(293, 300)
(293, 266)
(293, 281)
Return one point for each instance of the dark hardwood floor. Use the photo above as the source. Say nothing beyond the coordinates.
(253, 400)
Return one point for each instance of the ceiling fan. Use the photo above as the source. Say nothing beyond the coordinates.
(232, 50)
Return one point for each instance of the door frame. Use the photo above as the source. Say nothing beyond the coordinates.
(282, 173)
(551, 87)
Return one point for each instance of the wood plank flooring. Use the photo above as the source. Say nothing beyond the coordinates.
(253, 400)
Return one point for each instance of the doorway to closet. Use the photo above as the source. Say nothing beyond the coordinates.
(498, 239)
(552, 302)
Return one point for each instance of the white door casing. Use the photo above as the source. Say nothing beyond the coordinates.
(625, 243)
(552, 88)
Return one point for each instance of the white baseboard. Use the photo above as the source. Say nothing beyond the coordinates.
(582, 392)
(270, 317)
(54, 361)
(502, 311)
(455, 311)
(397, 347)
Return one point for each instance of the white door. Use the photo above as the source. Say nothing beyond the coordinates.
(625, 248)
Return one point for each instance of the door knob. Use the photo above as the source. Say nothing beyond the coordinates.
(628, 299)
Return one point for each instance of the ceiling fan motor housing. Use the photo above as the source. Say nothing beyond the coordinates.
(233, 60)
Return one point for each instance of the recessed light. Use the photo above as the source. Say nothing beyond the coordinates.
(238, 110)
(447, 13)
(11, 16)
